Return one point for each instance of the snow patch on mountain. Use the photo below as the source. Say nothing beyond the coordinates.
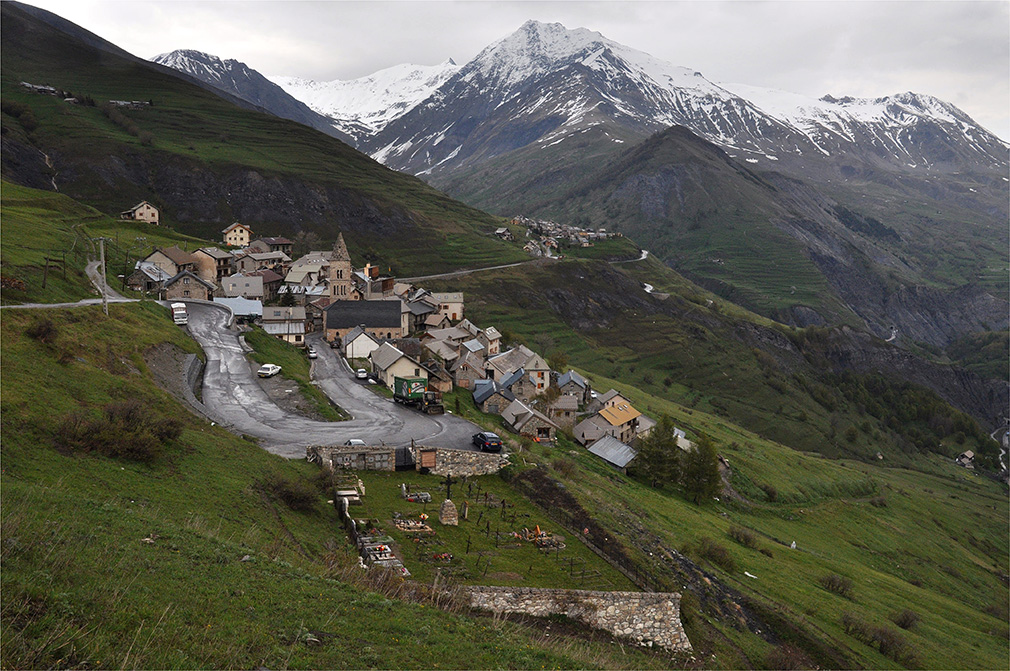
(365, 105)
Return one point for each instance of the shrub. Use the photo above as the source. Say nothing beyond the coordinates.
(890, 643)
(855, 626)
(878, 502)
(743, 536)
(297, 495)
(770, 492)
(906, 619)
(715, 553)
(840, 585)
(43, 330)
(126, 429)
(565, 467)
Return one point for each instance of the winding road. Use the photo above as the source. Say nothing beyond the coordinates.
(233, 396)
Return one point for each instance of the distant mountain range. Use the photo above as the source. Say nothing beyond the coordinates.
(805, 209)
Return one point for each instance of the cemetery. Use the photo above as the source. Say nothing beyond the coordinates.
(467, 530)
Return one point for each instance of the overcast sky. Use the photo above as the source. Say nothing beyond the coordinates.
(957, 51)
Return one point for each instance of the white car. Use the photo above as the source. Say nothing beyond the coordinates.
(355, 442)
(312, 353)
(268, 370)
(361, 374)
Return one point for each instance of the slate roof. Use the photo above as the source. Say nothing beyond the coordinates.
(453, 333)
(565, 402)
(511, 360)
(420, 308)
(178, 257)
(485, 389)
(190, 273)
(512, 378)
(608, 396)
(491, 333)
(517, 415)
(470, 359)
(355, 333)
(612, 450)
(571, 376)
(267, 275)
(442, 349)
(372, 314)
(277, 241)
(236, 225)
(385, 356)
(215, 253)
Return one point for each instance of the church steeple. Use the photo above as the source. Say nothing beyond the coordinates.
(340, 271)
(340, 249)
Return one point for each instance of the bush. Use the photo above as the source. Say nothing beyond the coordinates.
(743, 536)
(890, 643)
(855, 626)
(770, 492)
(297, 495)
(878, 502)
(43, 330)
(717, 554)
(905, 619)
(125, 430)
(840, 585)
(565, 467)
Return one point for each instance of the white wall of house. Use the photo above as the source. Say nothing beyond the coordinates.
(360, 347)
(402, 367)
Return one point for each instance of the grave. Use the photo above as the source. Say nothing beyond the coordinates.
(447, 514)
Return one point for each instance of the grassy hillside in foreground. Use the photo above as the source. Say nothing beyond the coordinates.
(84, 589)
(207, 163)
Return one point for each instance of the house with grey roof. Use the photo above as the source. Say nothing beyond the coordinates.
(466, 370)
(358, 343)
(528, 422)
(491, 397)
(388, 363)
(573, 384)
(188, 284)
(147, 277)
(563, 410)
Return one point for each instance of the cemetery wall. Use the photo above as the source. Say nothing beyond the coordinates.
(650, 618)
(359, 458)
(463, 462)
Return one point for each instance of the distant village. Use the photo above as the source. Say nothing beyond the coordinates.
(547, 237)
(396, 329)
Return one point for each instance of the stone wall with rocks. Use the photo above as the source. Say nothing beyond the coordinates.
(648, 618)
(461, 462)
(358, 458)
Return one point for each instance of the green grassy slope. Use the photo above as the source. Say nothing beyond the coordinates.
(83, 589)
(207, 162)
(716, 359)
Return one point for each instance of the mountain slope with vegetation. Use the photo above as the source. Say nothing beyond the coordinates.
(206, 162)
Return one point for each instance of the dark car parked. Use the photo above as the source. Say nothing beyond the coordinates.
(487, 441)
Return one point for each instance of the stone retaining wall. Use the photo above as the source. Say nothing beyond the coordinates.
(649, 618)
(461, 462)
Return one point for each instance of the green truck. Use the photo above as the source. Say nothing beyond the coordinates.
(413, 391)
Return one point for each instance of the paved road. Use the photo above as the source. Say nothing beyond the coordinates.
(232, 394)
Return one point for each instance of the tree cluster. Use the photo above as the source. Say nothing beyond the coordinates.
(661, 462)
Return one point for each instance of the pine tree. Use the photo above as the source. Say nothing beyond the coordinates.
(700, 477)
(658, 455)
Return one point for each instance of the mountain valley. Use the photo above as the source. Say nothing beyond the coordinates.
(831, 317)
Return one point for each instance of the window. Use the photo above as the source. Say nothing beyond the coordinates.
(417, 372)
(185, 280)
(186, 292)
(298, 338)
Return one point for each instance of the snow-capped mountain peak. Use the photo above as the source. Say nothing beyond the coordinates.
(365, 105)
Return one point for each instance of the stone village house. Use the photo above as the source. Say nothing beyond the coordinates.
(142, 211)
(188, 284)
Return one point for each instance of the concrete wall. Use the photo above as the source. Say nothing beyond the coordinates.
(649, 618)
